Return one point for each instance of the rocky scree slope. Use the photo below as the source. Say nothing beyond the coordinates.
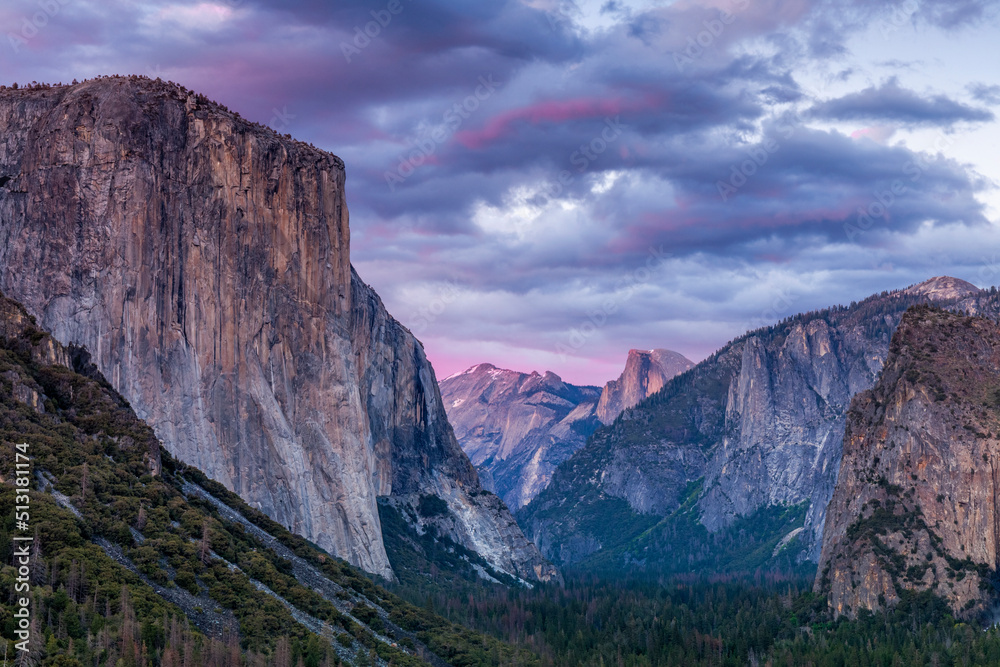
(917, 502)
(130, 546)
(756, 427)
(205, 262)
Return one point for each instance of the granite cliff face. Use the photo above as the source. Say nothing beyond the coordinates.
(646, 371)
(917, 502)
(757, 425)
(517, 427)
(204, 261)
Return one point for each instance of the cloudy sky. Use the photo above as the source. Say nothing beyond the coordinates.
(544, 184)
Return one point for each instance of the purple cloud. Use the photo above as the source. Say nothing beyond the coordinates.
(890, 102)
(686, 132)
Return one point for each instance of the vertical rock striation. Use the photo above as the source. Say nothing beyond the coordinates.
(917, 501)
(205, 263)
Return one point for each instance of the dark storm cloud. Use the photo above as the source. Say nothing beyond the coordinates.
(794, 185)
(795, 188)
(509, 28)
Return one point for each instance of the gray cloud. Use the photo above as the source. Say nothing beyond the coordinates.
(890, 102)
(532, 206)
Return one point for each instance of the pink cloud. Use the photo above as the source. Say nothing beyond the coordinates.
(685, 222)
(553, 111)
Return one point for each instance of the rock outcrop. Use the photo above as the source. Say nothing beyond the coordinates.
(758, 424)
(646, 371)
(943, 288)
(205, 263)
(917, 502)
(517, 427)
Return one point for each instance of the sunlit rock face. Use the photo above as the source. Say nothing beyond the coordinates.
(917, 502)
(646, 371)
(758, 424)
(517, 427)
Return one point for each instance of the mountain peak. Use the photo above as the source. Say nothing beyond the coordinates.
(485, 367)
(152, 92)
(294, 197)
(943, 287)
(661, 356)
(517, 427)
(495, 372)
(646, 371)
(482, 368)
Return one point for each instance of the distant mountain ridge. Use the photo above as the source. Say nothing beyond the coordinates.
(755, 428)
(943, 288)
(517, 427)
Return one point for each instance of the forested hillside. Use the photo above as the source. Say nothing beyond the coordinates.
(138, 559)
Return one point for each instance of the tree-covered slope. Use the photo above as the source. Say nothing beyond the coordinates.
(139, 559)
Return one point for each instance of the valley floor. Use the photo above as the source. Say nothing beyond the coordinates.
(753, 620)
